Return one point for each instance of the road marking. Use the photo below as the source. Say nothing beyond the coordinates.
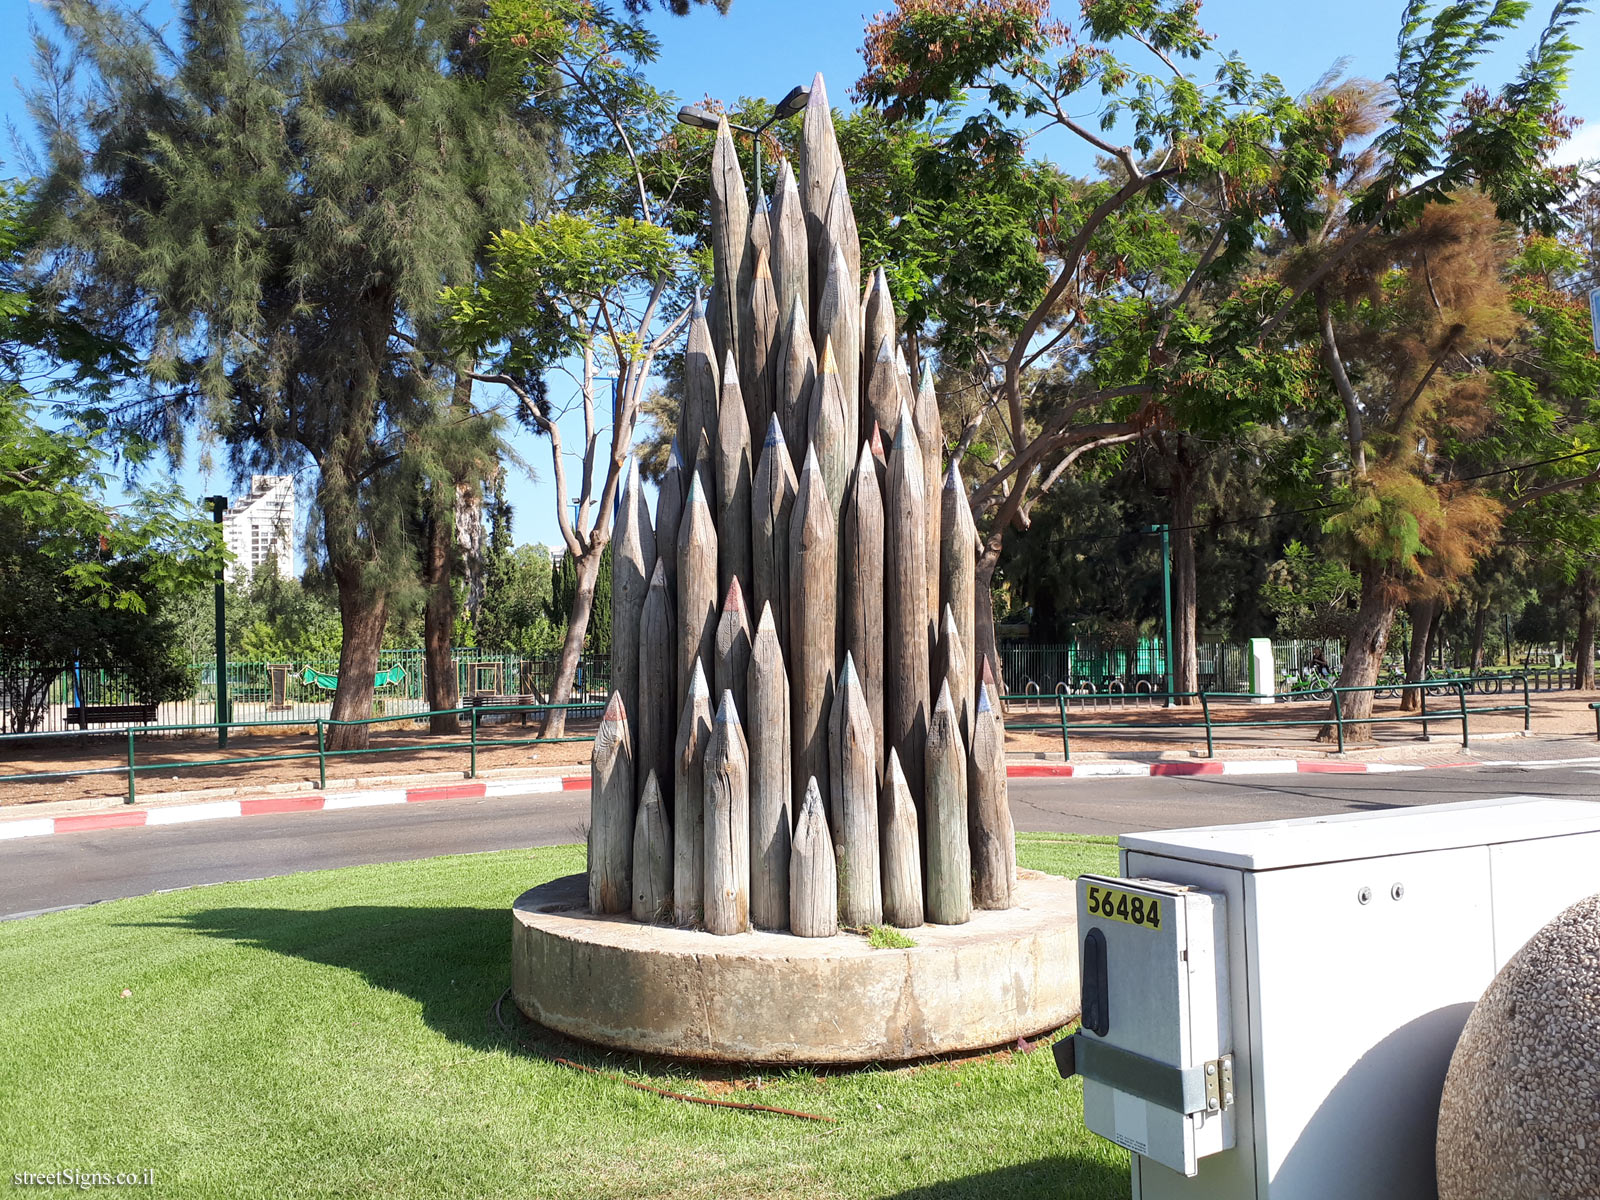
(33, 827)
(1260, 766)
(365, 800)
(524, 787)
(1543, 766)
(1086, 770)
(179, 813)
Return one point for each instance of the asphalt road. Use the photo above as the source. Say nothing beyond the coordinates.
(40, 874)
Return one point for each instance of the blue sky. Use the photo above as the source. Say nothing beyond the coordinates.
(764, 47)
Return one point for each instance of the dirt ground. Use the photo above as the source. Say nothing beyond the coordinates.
(394, 752)
(406, 751)
(1553, 714)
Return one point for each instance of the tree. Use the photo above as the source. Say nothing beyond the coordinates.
(516, 604)
(1390, 219)
(1101, 357)
(265, 212)
(83, 581)
(585, 290)
(1130, 312)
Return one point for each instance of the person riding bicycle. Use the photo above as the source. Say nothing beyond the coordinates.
(1319, 664)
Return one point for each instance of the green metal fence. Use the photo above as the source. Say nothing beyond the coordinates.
(1457, 690)
(297, 690)
(474, 717)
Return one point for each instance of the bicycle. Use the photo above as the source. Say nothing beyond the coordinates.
(1311, 682)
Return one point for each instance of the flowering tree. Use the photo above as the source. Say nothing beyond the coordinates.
(1153, 315)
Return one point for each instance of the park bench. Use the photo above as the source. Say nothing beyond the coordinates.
(84, 715)
(1596, 707)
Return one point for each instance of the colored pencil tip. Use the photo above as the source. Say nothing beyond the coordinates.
(906, 435)
(697, 494)
(828, 366)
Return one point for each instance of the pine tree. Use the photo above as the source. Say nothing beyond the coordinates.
(267, 210)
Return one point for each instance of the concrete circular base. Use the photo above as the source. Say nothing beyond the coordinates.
(776, 998)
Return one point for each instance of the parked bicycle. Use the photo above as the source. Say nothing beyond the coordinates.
(1314, 681)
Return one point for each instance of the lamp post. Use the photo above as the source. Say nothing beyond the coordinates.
(791, 104)
(218, 506)
(1166, 597)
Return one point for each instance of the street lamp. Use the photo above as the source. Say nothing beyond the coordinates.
(699, 118)
(224, 709)
(1166, 594)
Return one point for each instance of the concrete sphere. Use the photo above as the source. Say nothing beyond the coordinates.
(1520, 1117)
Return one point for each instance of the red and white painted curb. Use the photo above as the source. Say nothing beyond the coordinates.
(211, 810)
(1239, 766)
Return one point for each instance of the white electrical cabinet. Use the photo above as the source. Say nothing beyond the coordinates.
(1282, 1028)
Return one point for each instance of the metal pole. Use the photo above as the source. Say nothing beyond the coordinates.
(1166, 596)
(1061, 707)
(131, 796)
(322, 758)
(218, 506)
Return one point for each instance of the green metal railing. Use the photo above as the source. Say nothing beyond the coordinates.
(1460, 688)
(255, 694)
(322, 753)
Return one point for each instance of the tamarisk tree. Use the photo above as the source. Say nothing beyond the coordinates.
(264, 209)
(1398, 274)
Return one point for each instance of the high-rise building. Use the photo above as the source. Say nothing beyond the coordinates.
(261, 526)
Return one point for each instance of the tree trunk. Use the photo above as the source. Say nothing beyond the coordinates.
(1480, 631)
(438, 625)
(555, 719)
(362, 616)
(1369, 638)
(983, 617)
(1185, 601)
(440, 559)
(1584, 650)
(1422, 613)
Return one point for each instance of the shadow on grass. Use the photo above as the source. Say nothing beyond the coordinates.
(455, 963)
(451, 961)
(1073, 1176)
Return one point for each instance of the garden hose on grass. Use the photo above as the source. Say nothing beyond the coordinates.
(644, 1087)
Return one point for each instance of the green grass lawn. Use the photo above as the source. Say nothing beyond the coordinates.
(329, 1034)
